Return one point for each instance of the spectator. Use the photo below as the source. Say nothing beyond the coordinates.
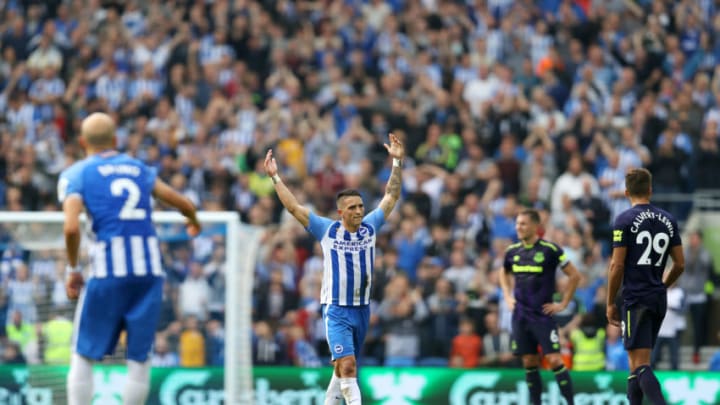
(707, 158)
(58, 296)
(401, 312)
(570, 183)
(12, 354)
(443, 319)
(304, 352)
(162, 356)
(466, 349)
(613, 202)
(615, 355)
(671, 328)
(45, 56)
(215, 343)
(57, 336)
(194, 293)
(23, 293)
(496, 345)
(274, 298)
(588, 342)
(191, 344)
(460, 273)
(23, 334)
(266, 349)
(696, 283)
(410, 242)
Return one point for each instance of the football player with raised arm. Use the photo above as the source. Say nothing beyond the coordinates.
(348, 247)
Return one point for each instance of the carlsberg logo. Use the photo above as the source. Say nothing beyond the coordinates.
(189, 388)
(265, 395)
(478, 388)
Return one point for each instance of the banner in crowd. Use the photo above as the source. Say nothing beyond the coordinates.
(380, 386)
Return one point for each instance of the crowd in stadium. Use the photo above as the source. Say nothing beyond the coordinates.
(500, 103)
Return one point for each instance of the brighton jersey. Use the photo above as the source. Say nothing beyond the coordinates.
(349, 258)
(116, 190)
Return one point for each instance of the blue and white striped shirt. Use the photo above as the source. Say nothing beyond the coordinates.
(116, 191)
(349, 258)
(112, 89)
(140, 86)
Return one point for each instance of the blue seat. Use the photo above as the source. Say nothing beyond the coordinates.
(399, 361)
(432, 362)
(369, 361)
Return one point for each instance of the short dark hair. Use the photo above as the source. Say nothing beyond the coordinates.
(638, 182)
(349, 192)
(531, 213)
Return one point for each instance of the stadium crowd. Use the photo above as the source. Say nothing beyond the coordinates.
(501, 104)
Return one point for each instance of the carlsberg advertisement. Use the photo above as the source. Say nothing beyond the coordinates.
(380, 386)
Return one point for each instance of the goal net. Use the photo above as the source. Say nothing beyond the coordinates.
(208, 287)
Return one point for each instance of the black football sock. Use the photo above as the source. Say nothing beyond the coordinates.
(562, 376)
(534, 383)
(650, 385)
(634, 392)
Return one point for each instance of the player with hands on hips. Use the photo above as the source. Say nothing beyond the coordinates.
(533, 263)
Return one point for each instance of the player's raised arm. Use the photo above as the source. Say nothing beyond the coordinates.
(615, 277)
(678, 257)
(168, 195)
(394, 184)
(288, 200)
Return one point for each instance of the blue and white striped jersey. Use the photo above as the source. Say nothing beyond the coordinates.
(349, 258)
(116, 190)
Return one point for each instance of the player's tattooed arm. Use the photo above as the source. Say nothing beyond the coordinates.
(392, 191)
(394, 185)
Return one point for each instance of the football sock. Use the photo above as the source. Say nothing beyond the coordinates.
(649, 385)
(80, 381)
(333, 396)
(137, 384)
(534, 383)
(350, 391)
(634, 392)
(562, 376)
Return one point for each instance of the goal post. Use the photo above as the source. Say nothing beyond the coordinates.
(42, 231)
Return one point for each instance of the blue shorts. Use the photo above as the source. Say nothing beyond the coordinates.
(345, 329)
(109, 306)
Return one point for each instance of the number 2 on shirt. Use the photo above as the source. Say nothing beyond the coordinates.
(129, 210)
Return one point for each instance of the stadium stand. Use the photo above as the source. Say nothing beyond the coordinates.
(501, 103)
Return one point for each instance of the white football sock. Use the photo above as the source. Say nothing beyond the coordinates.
(333, 396)
(80, 381)
(137, 385)
(350, 391)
